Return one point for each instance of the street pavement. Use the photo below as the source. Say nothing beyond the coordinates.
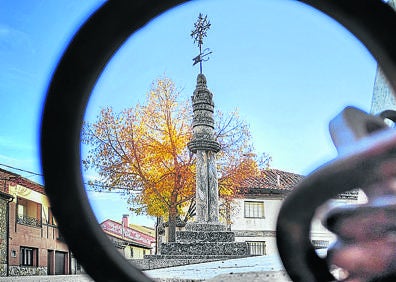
(262, 268)
(252, 269)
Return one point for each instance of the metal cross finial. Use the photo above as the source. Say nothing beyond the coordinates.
(201, 26)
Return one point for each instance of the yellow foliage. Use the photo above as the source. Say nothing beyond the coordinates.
(143, 149)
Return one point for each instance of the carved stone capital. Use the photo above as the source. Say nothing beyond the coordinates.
(201, 120)
(204, 145)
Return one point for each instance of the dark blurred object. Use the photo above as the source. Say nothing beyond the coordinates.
(366, 245)
(365, 249)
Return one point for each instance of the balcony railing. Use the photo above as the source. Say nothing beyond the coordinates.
(27, 220)
(257, 248)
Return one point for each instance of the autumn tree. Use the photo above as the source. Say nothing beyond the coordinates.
(143, 150)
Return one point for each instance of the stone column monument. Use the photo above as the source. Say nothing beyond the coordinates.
(205, 239)
(205, 147)
(203, 142)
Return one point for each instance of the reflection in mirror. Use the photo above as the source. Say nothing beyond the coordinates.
(278, 70)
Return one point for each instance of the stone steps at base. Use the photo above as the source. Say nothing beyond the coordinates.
(203, 227)
(205, 248)
(163, 261)
(204, 257)
(209, 236)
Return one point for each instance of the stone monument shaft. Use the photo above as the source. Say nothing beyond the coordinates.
(205, 239)
(204, 145)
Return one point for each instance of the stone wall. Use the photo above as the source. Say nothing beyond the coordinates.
(3, 237)
(3, 270)
(27, 271)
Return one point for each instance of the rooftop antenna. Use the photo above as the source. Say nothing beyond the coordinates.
(201, 26)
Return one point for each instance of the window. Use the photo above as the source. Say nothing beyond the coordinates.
(28, 212)
(257, 248)
(254, 209)
(51, 219)
(28, 256)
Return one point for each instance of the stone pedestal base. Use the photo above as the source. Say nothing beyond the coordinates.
(200, 242)
(207, 236)
(202, 227)
(205, 248)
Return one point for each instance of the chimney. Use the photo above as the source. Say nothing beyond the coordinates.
(278, 179)
(125, 220)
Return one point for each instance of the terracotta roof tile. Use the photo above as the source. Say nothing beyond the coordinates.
(271, 180)
(18, 179)
(28, 184)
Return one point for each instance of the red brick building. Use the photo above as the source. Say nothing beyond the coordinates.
(33, 244)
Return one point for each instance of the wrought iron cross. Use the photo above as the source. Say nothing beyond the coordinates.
(201, 26)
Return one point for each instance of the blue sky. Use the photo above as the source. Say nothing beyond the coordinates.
(288, 69)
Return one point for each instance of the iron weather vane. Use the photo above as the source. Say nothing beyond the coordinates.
(201, 26)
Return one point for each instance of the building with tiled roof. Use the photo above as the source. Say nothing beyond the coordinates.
(144, 229)
(30, 242)
(254, 213)
(271, 181)
(131, 242)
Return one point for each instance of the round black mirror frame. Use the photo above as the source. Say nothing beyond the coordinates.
(371, 21)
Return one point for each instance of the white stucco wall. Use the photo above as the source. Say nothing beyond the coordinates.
(257, 229)
(271, 209)
(263, 229)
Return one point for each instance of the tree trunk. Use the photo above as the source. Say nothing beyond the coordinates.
(172, 224)
(228, 214)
